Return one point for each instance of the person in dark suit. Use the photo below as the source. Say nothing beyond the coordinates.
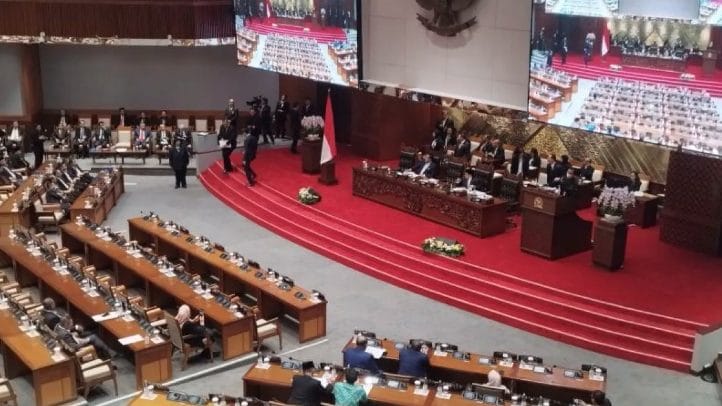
(413, 362)
(15, 136)
(142, 119)
(250, 147)
(534, 159)
(141, 136)
(102, 136)
(445, 122)
(486, 146)
(467, 181)
(294, 116)
(51, 315)
(450, 137)
(231, 114)
(185, 135)
(587, 171)
(519, 162)
(81, 140)
(165, 119)
(438, 143)
(162, 139)
(266, 121)
(357, 357)
(37, 141)
(305, 389)
(635, 182)
(307, 109)
(568, 184)
(600, 399)
(279, 116)
(227, 140)
(463, 147)
(426, 167)
(120, 119)
(178, 158)
(552, 169)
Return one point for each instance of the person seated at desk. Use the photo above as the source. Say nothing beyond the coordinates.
(8, 175)
(142, 120)
(439, 141)
(426, 167)
(54, 196)
(61, 137)
(199, 335)
(14, 139)
(587, 170)
(164, 119)
(141, 137)
(51, 314)
(76, 337)
(519, 162)
(348, 393)
(162, 138)
(101, 139)
(496, 153)
(598, 398)
(16, 160)
(568, 184)
(305, 389)
(493, 380)
(463, 147)
(635, 183)
(467, 181)
(413, 362)
(184, 135)
(485, 146)
(445, 122)
(357, 357)
(450, 138)
(81, 140)
(62, 184)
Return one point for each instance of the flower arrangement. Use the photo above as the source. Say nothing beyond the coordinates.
(313, 126)
(443, 246)
(615, 201)
(307, 195)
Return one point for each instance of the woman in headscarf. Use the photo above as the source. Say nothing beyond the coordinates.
(191, 328)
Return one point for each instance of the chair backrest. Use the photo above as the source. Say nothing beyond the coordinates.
(154, 314)
(183, 122)
(174, 331)
(218, 125)
(38, 206)
(201, 124)
(124, 137)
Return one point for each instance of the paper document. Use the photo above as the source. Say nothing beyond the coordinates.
(376, 352)
(106, 316)
(130, 339)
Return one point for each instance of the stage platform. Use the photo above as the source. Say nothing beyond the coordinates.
(647, 312)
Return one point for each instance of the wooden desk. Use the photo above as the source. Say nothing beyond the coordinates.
(648, 61)
(26, 212)
(449, 369)
(160, 290)
(644, 213)
(102, 205)
(480, 219)
(152, 361)
(53, 381)
(160, 400)
(272, 300)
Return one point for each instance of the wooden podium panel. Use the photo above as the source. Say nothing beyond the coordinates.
(550, 225)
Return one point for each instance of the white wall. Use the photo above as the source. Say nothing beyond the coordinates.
(11, 100)
(489, 62)
(150, 78)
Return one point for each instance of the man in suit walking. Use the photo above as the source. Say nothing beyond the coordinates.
(227, 140)
(250, 147)
(37, 140)
(179, 158)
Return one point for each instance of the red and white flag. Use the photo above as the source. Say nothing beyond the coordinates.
(605, 39)
(328, 151)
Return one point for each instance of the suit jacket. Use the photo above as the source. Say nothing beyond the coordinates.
(102, 137)
(463, 150)
(254, 124)
(229, 134)
(250, 146)
(232, 116)
(413, 363)
(266, 116)
(159, 138)
(178, 158)
(136, 135)
(307, 111)
(357, 357)
(306, 391)
(281, 110)
(295, 119)
(37, 140)
(634, 184)
(184, 136)
(444, 124)
(535, 162)
(431, 172)
(568, 186)
(81, 132)
(518, 159)
(145, 120)
(53, 196)
(587, 172)
(438, 144)
(498, 155)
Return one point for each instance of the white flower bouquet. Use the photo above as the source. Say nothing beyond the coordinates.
(615, 201)
(307, 195)
(443, 246)
(312, 126)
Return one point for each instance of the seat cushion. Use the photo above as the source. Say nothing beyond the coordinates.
(91, 364)
(96, 373)
(266, 329)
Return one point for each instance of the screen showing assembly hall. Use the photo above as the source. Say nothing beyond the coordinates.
(637, 69)
(313, 39)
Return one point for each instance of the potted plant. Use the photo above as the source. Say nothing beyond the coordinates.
(312, 127)
(613, 202)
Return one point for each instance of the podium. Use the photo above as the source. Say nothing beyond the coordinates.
(709, 61)
(550, 226)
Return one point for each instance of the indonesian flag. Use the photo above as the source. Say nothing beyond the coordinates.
(605, 39)
(328, 151)
(268, 8)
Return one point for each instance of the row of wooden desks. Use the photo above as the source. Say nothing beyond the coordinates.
(447, 368)
(478, 218)
(94, 207)
(273, 301)
(23, 215)
(53, 376)
(160, 290)
(152, 361)
(274, 382)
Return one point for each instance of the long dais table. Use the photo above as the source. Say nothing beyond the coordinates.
(152, 361)
(554, 385)
(96, 207)
(272, 300)
(160, 290)
(478, 218)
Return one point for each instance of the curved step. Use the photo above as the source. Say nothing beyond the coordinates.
(676, 357)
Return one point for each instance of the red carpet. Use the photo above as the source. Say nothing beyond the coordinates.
(599, 67)
(647, 312)
(304, 29)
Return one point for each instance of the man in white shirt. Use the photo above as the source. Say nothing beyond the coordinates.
(15, 133)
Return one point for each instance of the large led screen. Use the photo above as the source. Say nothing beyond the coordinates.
(313, 39)
(650, 79)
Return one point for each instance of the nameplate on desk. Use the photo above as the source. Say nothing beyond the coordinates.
(128, 318)
(106, 316)
(438, 353)
(539, 370)
(58, 357)
(442, 395)
(315, 300)
(421, 392)
(599, 378)
(32, 333)
(506, 364)
(157, 340)
(92, 293)
(263, 366)
(526, 367)
(207, 296)
(130, 339)
(149, 396)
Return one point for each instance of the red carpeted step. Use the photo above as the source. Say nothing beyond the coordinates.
(465, 296)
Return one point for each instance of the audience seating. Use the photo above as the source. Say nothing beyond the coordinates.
(179, 343)
(266, 329)
(7, 394)
(48, 215)
(93, 371)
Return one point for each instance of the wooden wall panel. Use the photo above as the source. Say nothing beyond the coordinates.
(126, 19)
